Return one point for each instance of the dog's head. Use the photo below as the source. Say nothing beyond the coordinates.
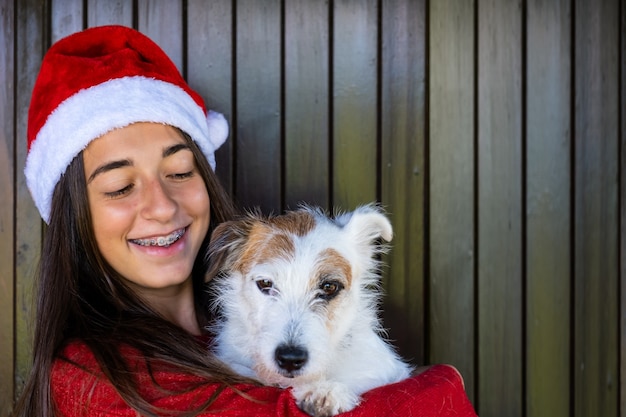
(291, 289)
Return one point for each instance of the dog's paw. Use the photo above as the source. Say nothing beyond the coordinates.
(325, 399)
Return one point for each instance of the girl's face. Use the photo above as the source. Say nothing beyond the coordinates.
(149, 205)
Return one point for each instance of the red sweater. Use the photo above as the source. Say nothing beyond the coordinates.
(437, 392)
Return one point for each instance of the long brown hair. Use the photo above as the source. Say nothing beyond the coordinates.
(80, 296)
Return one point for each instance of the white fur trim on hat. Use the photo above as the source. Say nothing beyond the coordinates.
(94, 111)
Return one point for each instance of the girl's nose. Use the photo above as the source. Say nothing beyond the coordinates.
(159, 204)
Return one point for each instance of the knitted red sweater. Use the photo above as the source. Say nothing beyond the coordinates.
(437, 392)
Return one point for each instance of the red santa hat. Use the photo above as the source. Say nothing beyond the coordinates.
(98, 80)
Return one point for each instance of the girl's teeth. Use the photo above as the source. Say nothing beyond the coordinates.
(162, 240)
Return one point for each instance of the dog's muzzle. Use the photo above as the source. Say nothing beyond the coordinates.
(291, 358)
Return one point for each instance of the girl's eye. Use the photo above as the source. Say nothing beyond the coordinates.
(182, 176)
(265, 285)
(120, 192)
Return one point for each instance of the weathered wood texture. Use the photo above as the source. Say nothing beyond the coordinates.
(492, 131)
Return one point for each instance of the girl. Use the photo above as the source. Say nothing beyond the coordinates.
(120, 166)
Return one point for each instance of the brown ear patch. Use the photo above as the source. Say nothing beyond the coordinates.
(271, 238)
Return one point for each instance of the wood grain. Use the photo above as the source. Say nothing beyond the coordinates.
(7, 187)
(107, 12)
(258, 105)
(306, 113)
(548, 215)
(31, 44)
(210, 69)
(354, 78)
(596, 300)
(402, 170)
(499, 202)
(451, 187)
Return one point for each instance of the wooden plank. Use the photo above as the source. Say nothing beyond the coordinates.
(210, 68)
(66, 17)
(622, 205)
(258, 114)
(7, 188)
(354, 117)
(31, 44)
(306, 103)
(499, 205)
(402, 171)
(595, 212)
(548, 257)
(107, 12)
(162, 21)
(451, 187)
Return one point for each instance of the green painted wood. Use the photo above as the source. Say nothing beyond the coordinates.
(107, 12)
(499, 206)
(354, 117)
(7, 188)
(258, 104)
(306, 72)
(210, 69)
(403, 171)
(596, 242)
(31, 44)
(451, 188)
(548, 215)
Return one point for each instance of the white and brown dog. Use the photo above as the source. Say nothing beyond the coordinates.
(296, 298)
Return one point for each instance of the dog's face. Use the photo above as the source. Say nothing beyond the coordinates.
(290, 289)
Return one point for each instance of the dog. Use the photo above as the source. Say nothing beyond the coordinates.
(296, 300)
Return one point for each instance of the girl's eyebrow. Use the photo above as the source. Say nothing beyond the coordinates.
(108, 167)
(171, 150)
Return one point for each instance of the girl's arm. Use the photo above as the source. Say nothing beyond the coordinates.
(80, 389)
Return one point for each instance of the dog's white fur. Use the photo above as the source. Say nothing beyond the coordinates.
(303, 289)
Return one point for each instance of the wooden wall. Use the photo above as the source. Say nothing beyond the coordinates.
(492, 130)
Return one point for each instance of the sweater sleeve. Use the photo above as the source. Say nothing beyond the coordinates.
(79, 388)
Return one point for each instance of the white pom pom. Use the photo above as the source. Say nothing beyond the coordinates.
(218, 128)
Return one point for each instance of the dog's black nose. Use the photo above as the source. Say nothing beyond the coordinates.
(290, 358)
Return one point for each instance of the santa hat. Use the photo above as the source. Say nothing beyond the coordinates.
(98, 80)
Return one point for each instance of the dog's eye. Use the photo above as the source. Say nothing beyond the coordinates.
(265, 285)
(329, 289)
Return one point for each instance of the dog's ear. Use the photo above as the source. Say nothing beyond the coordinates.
(367, 224)
(226, 241)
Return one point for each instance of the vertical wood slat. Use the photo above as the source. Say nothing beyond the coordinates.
(66, 18)
(107, 12)
(499, 203)
(209, 69)
(451, 188)
(354, 102)
(403, 170)
(258, 118)
(162, 21)
(7, 181)
(622, 206)
(306, 42)
(595, 212)
(31, 44)
(548, 206)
